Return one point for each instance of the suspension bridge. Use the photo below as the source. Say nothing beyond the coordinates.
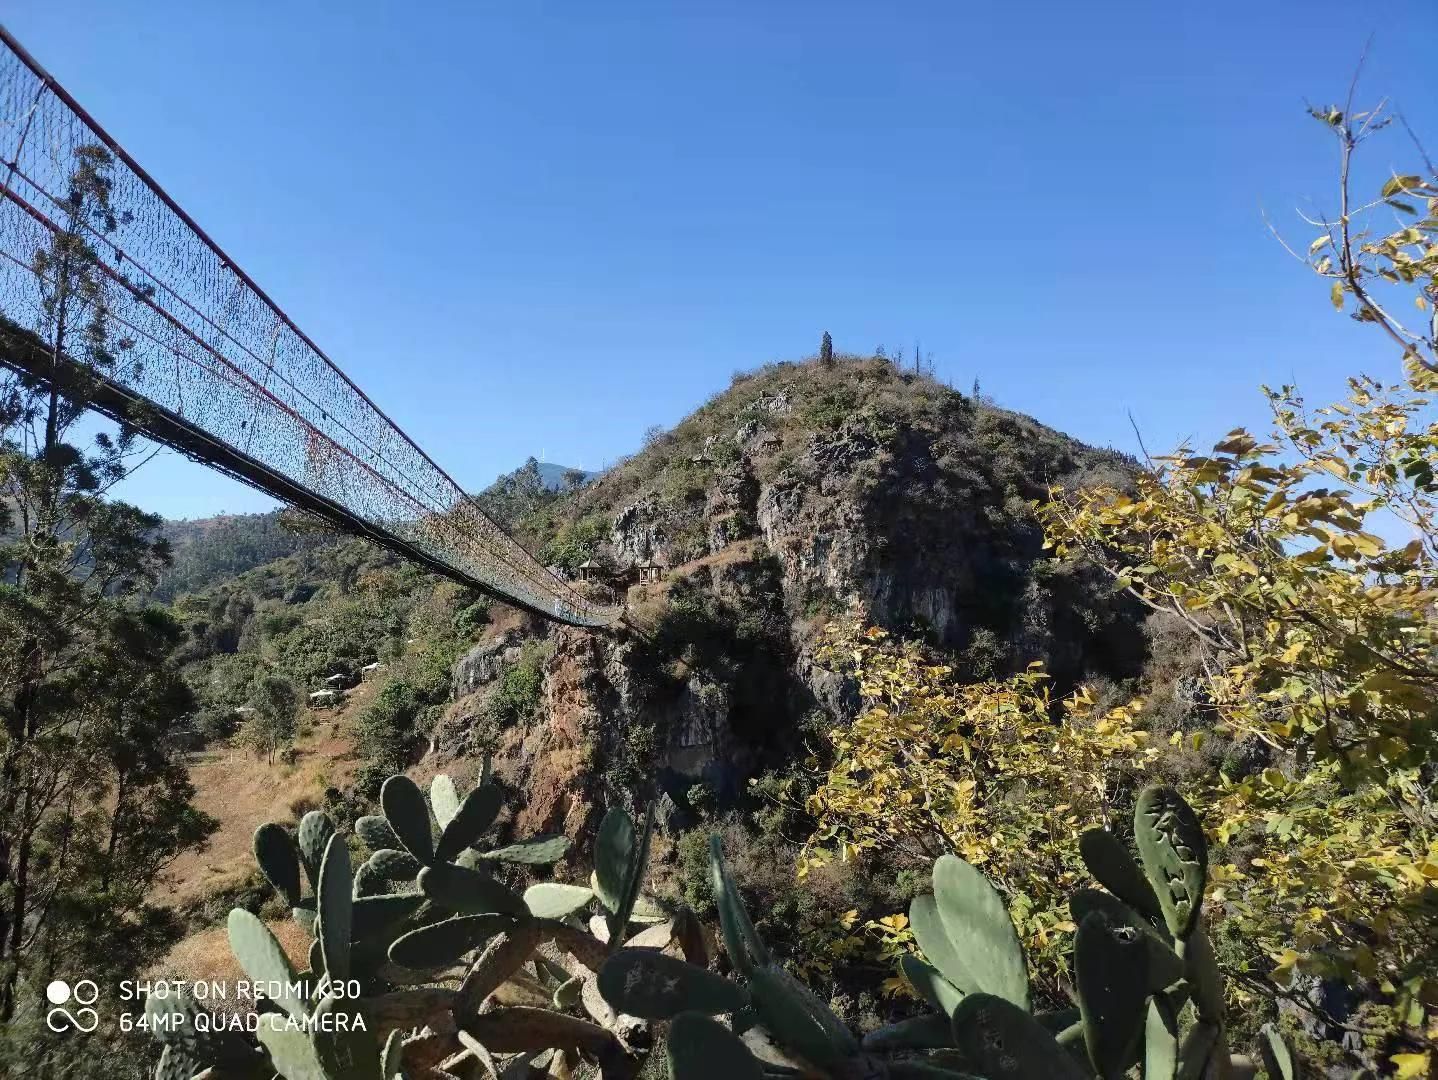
(207, 364)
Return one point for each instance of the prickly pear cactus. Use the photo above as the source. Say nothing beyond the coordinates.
(661, 987)
(1175, 856)
(964, 930)
(426, 960)
(1141, 957)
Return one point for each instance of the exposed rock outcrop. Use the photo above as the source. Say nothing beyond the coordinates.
(637, 535)
(483, 663)
(801, 494)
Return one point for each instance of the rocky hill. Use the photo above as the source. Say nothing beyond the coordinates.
(803, 492)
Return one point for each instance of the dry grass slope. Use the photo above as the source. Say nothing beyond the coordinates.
(243, 792)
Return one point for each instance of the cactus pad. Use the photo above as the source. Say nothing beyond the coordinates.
(373, 915)
(742, 942)
(554, 900)
(1114, 868)
(613, 848)
(981, 934)
(538, 851)
(314, 834)
(1204, 980)
(1196, 1050)
(443, 943)
(278, 861)
(261, 957)
(1174, 853)
(703, 1049)
(932, 987)
(1164, 966)
(443, 799)
(1277, 1058)
(294, 1055)
(475, 814)
(469, 892)
(375, 832)
(336, 906)
(1006, 1043)
(917, 1033)
(392, 1057)
(407, 814)
(652, 986)
(392, 864)
(633, 879)
(1160, 1040)
(1111, 969)
(798, 1020)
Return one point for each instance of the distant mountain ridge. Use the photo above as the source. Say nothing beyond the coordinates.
(210, 550)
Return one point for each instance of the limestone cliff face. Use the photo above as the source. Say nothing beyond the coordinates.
(483, 663)
(621, 713)
(800, 494)
(638, 535)
(585, 689)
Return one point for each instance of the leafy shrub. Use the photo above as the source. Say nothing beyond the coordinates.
(575, 542)
(385, 730)
(1147, 987)
(517, 693)
(934, 765)
(469, 619)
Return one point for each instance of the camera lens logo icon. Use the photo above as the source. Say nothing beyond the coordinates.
(60, 993)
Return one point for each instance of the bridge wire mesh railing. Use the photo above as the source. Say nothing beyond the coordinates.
(212, 349)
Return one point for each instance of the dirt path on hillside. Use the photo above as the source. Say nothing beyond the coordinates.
(243, 792)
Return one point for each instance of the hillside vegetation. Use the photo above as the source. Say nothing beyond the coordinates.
(805, 491)
(881, 638)
(209, 550)
(805, 504)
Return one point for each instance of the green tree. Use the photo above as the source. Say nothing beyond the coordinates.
(516, 495)
(826, 349)
(94, 797)
(271, 727)
(1305, 567)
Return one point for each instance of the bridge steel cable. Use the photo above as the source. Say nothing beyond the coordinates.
(214, 368)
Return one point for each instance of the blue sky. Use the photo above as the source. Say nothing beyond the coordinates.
(539, 227)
